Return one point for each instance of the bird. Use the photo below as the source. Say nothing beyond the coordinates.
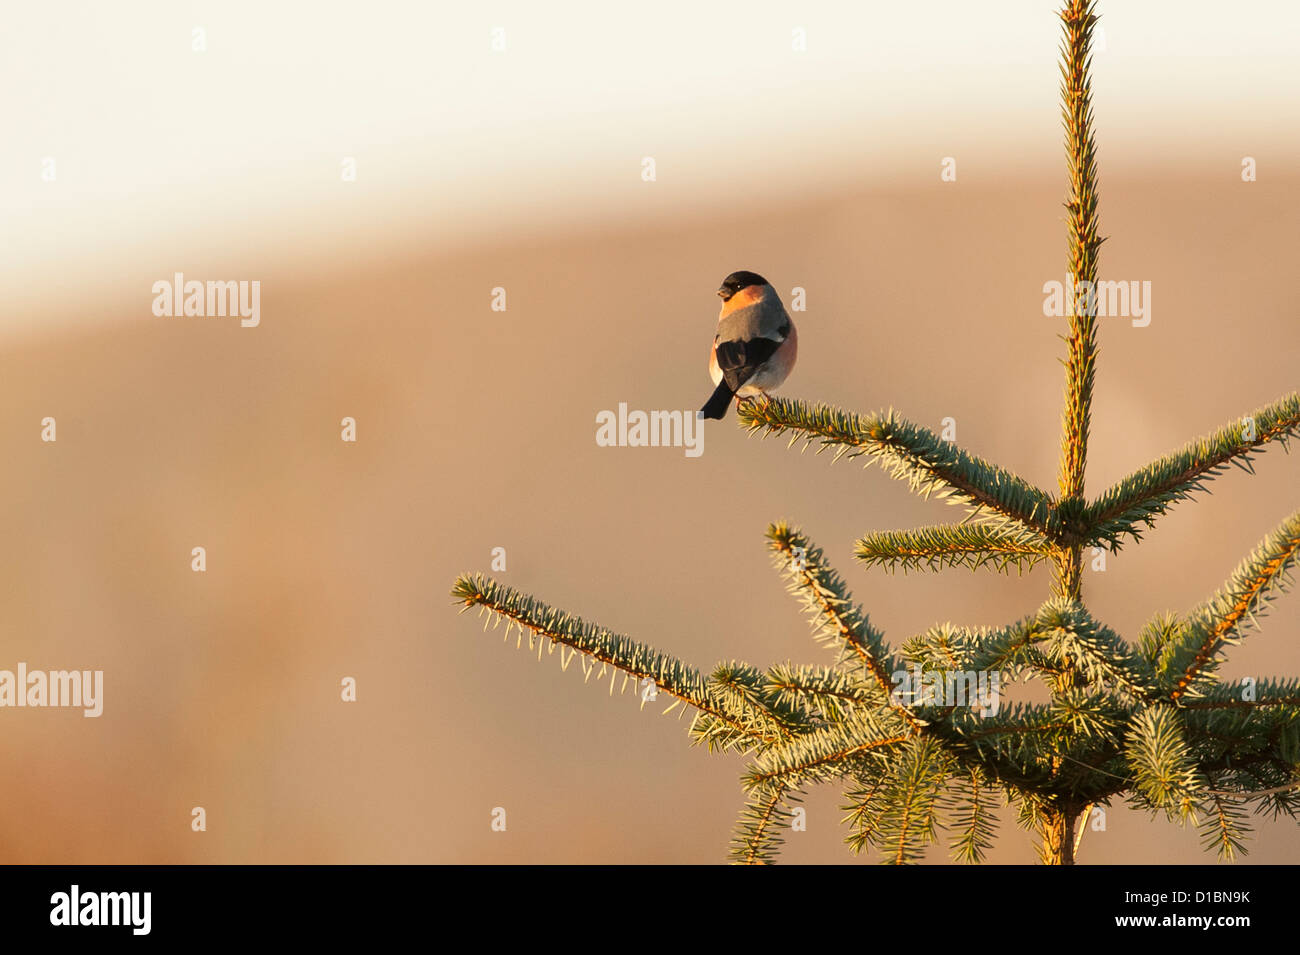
(755, 345)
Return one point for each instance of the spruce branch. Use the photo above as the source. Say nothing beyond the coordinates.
(824, 755)
(954, 545)
(743, 693)
(1164, 768)
(1246, 774)
(908, 822)
(1231, 696)
(1030, 812)
(1011, 648)
(1196, 651)
(758, 831)
(537, 619)
(1088, 715)
(910, 452)
(973, 816)
(942, 647)
(1062, 638)
(862, 814)
(838, 623)
(1091, 652)
(831, 694)
(1078, 19)
(1224, 828)
(1056, 749)
(1038, 720)
(1251, 744)
(1151, 491)
(1156, 635)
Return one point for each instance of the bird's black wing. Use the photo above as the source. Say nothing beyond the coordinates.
(740, 359)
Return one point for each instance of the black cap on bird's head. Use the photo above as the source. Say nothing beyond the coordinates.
(736, 281)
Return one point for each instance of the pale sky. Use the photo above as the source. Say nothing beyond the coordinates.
(237, 151)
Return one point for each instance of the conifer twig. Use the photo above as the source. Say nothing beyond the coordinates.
(908, 821)
(1163, 764)
(820, 756)
(603, 646)
(758, 830)
(866, 801)
(1221, 620)
(910, 452)
(1152, 490)
(743, 692)
(974, 818)
(1072, 638)
(833, 693)
(953, 545)
(1078, 19)
(838, 622)
(1224, 828)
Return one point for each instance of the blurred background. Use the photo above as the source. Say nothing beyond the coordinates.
(502, 146)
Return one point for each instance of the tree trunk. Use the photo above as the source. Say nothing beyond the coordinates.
(1058, 837)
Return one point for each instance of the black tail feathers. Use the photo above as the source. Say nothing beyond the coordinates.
(716, 406)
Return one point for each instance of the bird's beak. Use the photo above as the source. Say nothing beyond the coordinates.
(724, 293)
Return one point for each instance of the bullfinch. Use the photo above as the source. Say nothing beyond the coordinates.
(754, 349)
